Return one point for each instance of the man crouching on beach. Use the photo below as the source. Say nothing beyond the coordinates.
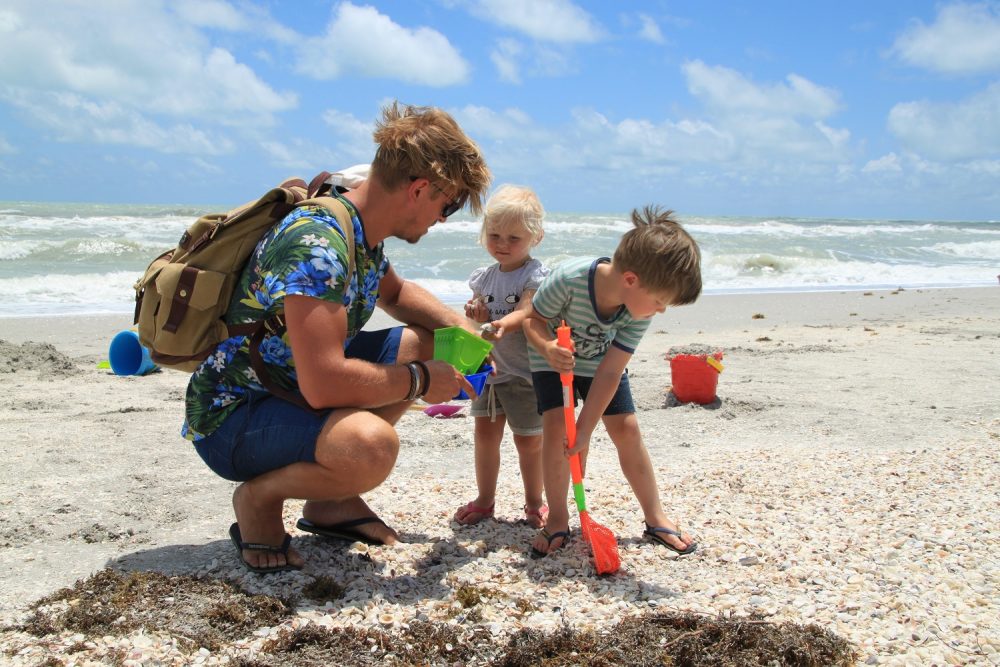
(359, 382)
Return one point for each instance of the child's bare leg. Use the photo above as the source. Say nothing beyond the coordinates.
(529, 458)
(555, 472)
(638, 470)
(488, 436)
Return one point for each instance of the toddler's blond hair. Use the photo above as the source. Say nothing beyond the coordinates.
(513, 206)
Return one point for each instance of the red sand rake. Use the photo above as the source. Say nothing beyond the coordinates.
(603, 543)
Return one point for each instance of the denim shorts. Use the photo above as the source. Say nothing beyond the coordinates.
(266, 433)
(548, 390)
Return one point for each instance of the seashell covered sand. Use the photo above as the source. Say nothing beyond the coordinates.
(847, 476)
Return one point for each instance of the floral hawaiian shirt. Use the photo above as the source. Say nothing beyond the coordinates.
(306, 254)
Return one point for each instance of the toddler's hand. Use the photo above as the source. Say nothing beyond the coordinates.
(492, 331)
(475, 309)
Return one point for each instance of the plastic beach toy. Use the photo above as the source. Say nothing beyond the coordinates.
(695, 377)
(127, 356)
(603, 543)
(478, 381)
(463, 350)
(442, 410)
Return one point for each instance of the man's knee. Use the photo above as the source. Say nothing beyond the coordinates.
(416, 343)
(364, 443)
(383, 455)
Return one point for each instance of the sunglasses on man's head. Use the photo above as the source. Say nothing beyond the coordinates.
(451, 205)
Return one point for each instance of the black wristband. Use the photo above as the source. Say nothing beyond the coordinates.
(425, 375)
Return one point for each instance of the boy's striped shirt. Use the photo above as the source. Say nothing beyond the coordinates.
(568, 294)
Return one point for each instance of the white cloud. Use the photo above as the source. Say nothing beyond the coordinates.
(886, 164)
(767, 123)
(505, 58)
(168, 69)
(649, 30)
(509, 124)
(360, 40)
(352, 137)
(211, 14)
(558, 21)
(963, 130)
(76, 118)
(10, 21)
(964, 38)
(348, 142)
(725, 89)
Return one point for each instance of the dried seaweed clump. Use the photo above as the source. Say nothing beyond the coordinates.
(685, 640)
(207, 612)
(422, 643)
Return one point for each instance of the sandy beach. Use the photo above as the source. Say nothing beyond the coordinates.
(847, 476)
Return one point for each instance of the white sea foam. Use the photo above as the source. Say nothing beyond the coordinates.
(68, 293)
(85, 258)
(977, 250)
(11, 250)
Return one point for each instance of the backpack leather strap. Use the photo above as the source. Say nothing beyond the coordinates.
(182, 297)
(316, 185)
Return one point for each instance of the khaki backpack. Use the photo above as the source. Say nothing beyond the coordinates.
(182, 299)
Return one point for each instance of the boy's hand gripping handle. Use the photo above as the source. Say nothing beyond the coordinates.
(564, 340)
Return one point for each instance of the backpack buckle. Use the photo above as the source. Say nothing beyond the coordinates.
(275, 324)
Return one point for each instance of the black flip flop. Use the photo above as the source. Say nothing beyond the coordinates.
(343, 530)
(652, 533)
(234, 535)
(564, 534)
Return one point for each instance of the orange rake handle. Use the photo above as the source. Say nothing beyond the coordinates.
(603, 543)
(575, 469)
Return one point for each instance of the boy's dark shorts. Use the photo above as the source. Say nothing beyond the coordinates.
(266, 432)
(549, 392)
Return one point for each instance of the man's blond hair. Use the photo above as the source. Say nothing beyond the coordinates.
(662, 254)
(513, 206)
(427, 142)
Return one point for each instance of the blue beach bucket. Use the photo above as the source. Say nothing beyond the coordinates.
(477, 380)
(127, 356)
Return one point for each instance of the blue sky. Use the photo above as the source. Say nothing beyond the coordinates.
(853, 109)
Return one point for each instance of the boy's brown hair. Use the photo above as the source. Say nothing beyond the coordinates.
(427, 142)
(662, 254)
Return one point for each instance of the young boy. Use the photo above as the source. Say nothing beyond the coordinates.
(608, 304)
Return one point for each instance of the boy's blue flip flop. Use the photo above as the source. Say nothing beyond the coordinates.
(344, 530)
(653, 533)
(549, 537)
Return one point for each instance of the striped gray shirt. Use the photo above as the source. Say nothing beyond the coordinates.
(568, 294)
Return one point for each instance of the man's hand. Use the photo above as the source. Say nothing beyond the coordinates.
(445, 382)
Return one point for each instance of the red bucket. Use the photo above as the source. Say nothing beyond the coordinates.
(695, 377)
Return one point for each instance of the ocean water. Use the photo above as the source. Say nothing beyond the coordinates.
(58, 258)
